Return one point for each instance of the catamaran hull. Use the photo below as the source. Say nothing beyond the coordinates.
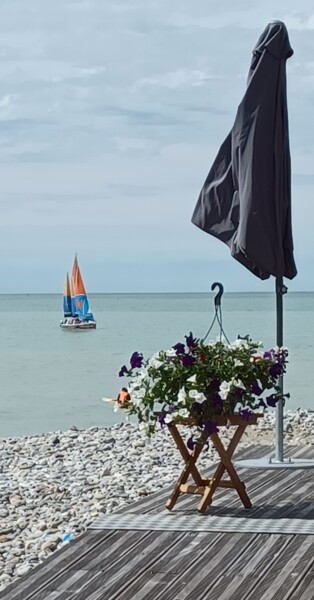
(88, 325)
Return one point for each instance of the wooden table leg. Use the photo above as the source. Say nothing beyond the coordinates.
(190, 466)
(225, 465)
(207, 487)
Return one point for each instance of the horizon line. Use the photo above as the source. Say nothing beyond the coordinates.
(155, 293)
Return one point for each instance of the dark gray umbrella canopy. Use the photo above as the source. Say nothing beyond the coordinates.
(246, 199)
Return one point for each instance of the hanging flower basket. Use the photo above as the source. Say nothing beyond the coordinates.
(202, 384)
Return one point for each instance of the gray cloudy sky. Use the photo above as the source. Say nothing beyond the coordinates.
(111, 113)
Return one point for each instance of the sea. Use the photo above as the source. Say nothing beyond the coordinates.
(53, 379)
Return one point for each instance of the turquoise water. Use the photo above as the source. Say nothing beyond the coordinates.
(52, 379)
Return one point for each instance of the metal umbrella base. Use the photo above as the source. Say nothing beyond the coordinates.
(274, 463)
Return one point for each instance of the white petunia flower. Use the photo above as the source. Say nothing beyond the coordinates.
(224, 389)
(144, 427)
(192, 379)
(155, 361)
(168, 419)
(200, 397)
(142, 374)
(238, 383)
(183, 412)
(135, 384)
(171, 353)
(239, 343)
(137, 396)
(182, 396)
(197, 396)
(238, 363)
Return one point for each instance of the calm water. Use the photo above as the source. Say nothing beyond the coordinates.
(53, 379)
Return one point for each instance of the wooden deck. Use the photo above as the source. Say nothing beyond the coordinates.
(144, 564)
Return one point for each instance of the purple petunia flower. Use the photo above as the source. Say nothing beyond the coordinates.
(268, 355)
(197, 408)
(245, 414)
(187, 360)
(179, 348)
(190, 340)
(276, 369)
(238, 393)
(256, 389)
(161, 419)
(262, 403)
(272, 400)
(123, 371)
(136, 360)
(171, 407)
(211, 427)
(217, 401)
(214, 385)
(190, 443)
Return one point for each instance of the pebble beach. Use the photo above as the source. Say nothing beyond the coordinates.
(54, 485)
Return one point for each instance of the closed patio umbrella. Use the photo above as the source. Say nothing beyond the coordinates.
(246, 199)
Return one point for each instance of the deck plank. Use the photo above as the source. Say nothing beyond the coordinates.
(112, 580)
(244, 582)
(273, 585)
(154, 582)
(306, 588)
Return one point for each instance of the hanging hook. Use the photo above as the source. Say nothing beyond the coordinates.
(218, 313)
(217, 298)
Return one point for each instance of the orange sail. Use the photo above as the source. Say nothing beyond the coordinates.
(77, 281)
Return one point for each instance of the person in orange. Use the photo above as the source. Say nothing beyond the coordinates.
(123, 397)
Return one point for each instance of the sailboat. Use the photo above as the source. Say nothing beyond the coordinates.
(77, 314)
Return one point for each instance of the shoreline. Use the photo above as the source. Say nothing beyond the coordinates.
(54, 485)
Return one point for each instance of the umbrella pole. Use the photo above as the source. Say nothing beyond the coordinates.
(278, 461)
(280, 291)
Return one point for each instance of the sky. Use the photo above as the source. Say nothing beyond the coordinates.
(111, 114)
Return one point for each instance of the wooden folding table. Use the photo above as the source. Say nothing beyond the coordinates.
(207, 487)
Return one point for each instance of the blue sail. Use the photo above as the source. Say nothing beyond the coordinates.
(80, 307)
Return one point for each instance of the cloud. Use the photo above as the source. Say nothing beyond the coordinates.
(300, 21)
(111, 114)
(6, 101)
(173, 80)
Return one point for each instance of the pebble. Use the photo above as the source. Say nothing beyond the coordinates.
(23, 569)
(54, 485)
